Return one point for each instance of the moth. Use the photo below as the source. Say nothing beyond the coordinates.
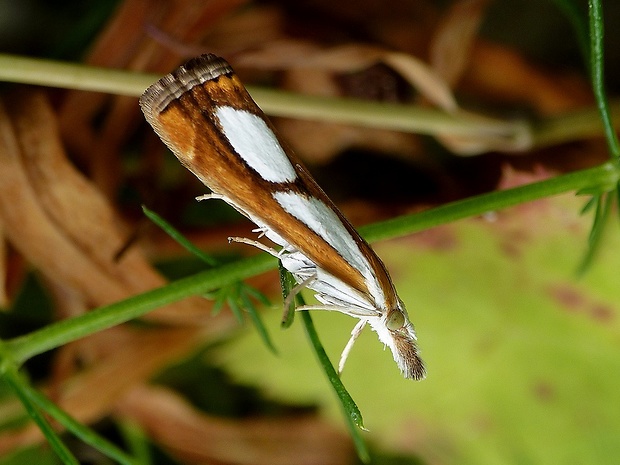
(207, 118)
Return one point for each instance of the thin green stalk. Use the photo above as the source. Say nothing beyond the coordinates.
(239, 294)
(383, 115)
(580, 124)
(19, 386)
(51, 73)
(178, 237)
(408, 118)
(602, 197)
(137, 441)
(65, 331)
(274, 102)
(353, 416)
(603, 175)
(598, 73)
(82, 432)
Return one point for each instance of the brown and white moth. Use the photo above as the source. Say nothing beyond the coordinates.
(204, 114)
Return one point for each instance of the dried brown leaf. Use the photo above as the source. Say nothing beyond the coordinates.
(196, 438)
(99, 148)
(348, 58)
(504, 75)
(64, 226)
(423, 78)
(31, 231)
(451, 45)
(4, 266)
(78, 234)
(119, 359)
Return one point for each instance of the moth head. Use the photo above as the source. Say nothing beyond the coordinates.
(396, 331)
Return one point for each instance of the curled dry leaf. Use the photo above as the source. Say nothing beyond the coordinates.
(195, 438)
(31, 231)
(97, 126)
(451, 56)
(506, 76)
(349, 58)
(310, 69)
(239, 31)
(126, 357)
(317, 142)
(4, 266)
(450, 47)
(64, 225)
(423, 78)
(300, 59)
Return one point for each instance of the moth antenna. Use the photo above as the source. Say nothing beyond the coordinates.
(355, 332)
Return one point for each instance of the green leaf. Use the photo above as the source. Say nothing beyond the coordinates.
(510, 337)
(137, 441)
(39, 455)
(232, 299)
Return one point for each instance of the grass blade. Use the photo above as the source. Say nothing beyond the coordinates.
(19, 386)
(352, 414)
(178, 237)
(287, 282)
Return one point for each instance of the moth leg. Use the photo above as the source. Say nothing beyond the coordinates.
(258, 245)
(211, 196)
(260, 231)
(357, 330)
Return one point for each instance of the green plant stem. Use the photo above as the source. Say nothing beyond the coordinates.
(603, 175)
(63, 332)
(82, 432)
(55, 335)
(408, 118)
(20, 387)
(136, 439)
(575, 125)
(274, 102)
(353, 416)
(51, 73)
(598, 74)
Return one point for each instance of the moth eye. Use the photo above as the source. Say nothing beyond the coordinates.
(395, 321)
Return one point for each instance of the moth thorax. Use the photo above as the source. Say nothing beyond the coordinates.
(395, 320)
